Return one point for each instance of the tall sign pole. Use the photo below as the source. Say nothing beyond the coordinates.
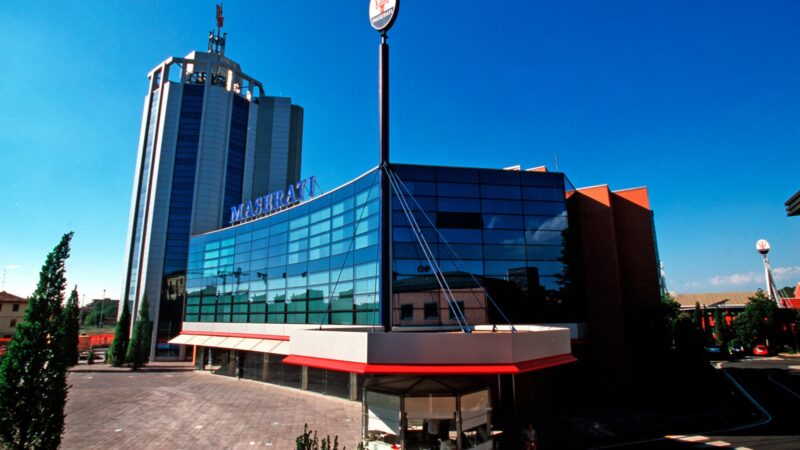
(382, 14)
(762, 246)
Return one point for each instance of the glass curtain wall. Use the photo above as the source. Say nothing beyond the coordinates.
(507, 229)
(315, 263)
(179, 219)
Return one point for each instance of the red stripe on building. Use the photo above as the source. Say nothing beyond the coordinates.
(430, 369)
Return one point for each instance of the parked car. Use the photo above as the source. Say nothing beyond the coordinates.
(760, 350)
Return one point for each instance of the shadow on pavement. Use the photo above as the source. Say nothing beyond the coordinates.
(155, 368)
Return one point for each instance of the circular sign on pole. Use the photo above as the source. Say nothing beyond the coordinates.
(382, 13)
(762, 246)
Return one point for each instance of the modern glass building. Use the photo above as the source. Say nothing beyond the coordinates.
(209, 139)
(495, 274)
(491, 251)
(490, 232)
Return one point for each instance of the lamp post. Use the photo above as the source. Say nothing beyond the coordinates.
(102, 308)
(382, 14)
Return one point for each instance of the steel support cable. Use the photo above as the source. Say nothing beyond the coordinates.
(457, 313)
(424, 243)
(426, 251)
(438, 274)
(349, 246)
(452, 250)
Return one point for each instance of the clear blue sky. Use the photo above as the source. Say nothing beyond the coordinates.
(699, 101)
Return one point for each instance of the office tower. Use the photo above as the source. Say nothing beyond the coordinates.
(209, 139)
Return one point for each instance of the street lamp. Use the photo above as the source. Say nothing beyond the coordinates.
(102, 308)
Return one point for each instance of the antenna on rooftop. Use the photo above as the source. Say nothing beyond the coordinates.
(216, 42)
(556, 159)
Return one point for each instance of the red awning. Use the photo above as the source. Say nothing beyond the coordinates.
(430, 369)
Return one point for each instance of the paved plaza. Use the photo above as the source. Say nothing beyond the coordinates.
(170, 406)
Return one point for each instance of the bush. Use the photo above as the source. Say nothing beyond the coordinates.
(310, 441)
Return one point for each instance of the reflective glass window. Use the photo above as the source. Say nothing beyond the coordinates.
(504, 237)
(544, 237)
(501, 206)
(546, 222)
(456, 236)
(500, 192)
(458, 190)
(446, 204)
(502, 221)
(545, 208)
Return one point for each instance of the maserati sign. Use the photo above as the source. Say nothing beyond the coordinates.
(382, 13)
(274, 201)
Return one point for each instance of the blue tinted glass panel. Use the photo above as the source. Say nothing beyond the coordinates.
(283, 268)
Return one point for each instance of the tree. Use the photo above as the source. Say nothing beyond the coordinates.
(756, 321)
(122, 332)
(103, 309)
(663, 339)
(139, 345)
(689, 342)
(33, 385)
(698, 316)
(708, 330)
(722, 333)
(786, 292)
(71, 324)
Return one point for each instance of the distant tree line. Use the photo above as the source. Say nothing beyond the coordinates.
(761, 322)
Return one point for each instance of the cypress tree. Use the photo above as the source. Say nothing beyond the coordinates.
(116, 353)
(707, 331)
(721, 331)
(698, 316)
(71, 324)
(139, 345)
(33, 385)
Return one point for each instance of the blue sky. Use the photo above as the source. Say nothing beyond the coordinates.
(698, 101)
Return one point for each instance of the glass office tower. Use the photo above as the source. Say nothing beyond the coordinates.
(209, 139)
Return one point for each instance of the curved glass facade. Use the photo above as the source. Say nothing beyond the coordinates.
(314, 263)
(498, 236)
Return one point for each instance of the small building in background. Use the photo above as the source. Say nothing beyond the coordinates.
(12, 309)
(729, 301)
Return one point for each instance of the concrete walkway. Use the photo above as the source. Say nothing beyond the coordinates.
(170, 406)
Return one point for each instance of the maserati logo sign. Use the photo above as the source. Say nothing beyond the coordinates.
(382, 13)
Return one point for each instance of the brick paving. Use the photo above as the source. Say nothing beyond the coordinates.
(170, 406)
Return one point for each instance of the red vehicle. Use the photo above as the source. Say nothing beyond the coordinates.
(760, 350)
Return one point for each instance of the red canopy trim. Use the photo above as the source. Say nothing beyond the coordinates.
(430, 369)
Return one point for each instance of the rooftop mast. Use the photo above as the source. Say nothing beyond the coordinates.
(216, 42)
